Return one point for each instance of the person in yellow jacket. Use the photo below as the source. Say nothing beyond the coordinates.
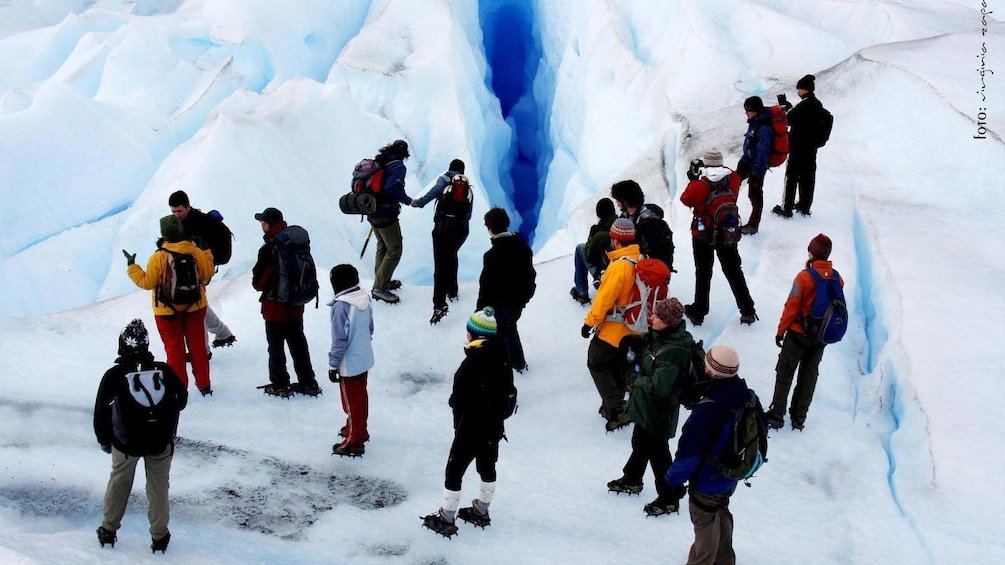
(602, 357)
(178, 322)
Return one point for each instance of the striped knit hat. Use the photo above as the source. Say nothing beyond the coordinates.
(722, 361)
(483, 323)
(623, 230)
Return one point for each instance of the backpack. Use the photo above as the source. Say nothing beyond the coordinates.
(180, 287)
(826, 124)
(722, 212)
(145, 418)
(827, 320)
(651, 279)
(654, 235)
(367, 182)
(219, 238)
(746, 447)
(779, 136)
(298, 275)
(452, 205)
(684, 392)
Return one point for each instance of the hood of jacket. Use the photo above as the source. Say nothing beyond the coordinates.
(716, 174)
(354, 296)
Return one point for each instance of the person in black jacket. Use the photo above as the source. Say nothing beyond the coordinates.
(483, 397)
(136, 416)
(807, 122)
(652, 233)
(591, 256)
(211, 233)
(507, 283)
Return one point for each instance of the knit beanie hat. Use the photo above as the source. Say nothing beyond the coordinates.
(171, 229)
(753, 104)
(134, 338)
(820, 247)
(806, 83)
(457, 166)
(713, 158)
(483, 323)
(670, 310)
(623, 230)
(343, 277)
(722, 361)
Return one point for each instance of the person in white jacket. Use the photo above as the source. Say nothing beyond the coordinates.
(351, 356)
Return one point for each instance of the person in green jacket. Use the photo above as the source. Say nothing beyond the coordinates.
(662, 357)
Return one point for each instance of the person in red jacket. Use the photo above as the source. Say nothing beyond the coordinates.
(709, 240)
(797, 351)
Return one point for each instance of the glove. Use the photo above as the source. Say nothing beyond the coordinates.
(585, 332)
(106, 447)
(415, 204)
(130, 259)
(333, 375)
(779, 339)
(677, 492)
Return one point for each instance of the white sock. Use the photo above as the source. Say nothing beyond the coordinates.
(451, 500)
(485, 495)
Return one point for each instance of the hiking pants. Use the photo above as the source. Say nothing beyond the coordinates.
(289, 333)
(582, 268)
(509, 336)
(446, 243)
(796, 353)
(465, 449)
(186, 329)
(731, 264)
(755, 191)
(120, 483)
(801, 174)
(604, 362)
(388, 253)
(215, 326)
(713, 529)
(654, 450)
(356, 405)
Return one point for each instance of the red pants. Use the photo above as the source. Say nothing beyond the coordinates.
(355, 403)
(175, 332)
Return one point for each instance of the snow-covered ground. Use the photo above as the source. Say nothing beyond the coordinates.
(106, 107)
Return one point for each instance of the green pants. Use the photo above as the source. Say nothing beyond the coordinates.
(388, 253)
(796, 354)
(713, 529)
(120, 483)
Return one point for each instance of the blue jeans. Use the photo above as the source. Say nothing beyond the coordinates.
(582, 267)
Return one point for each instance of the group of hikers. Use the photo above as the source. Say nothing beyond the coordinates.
(638, 347)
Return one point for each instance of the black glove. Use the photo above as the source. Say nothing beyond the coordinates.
(779, 339)
(677, 492)
(333, 375)
(585, 332)
(106, 447)
(130, 259)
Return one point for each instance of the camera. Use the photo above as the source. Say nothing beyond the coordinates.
(781, 99)
(695, 171)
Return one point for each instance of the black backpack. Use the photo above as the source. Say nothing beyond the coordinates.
(746, 448)
(453, 204)
(654, 235)
(367, 183)
(824, 126)
(145, 414)
(180, 287)
(219, 238)
(298, 275)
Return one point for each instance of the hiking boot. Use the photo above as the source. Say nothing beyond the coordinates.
(775, 422)
(802, 211)
(348, 450)
(160, 545)
(581, 297)
(206, 391)
(661, 506)
(622, 486)
(385, 296)
(225, 342)
(393, 284)
(778, 210)
(477, 514)
(619, 421)
(309, 390)
(748, 318)
(798, 424)
(438, 314)
(106, 536)
(692, 314)
(439, 524)
(748, 229)
(452, 298)
(522, 369)
(282, 391)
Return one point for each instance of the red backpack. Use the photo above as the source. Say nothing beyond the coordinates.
(779, 136)
(722, 213)
(367, 176)
(652, 279)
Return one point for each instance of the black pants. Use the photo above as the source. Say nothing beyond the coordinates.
(729, 261)
(465, 449)
(797, 354)
(801, 174)
(291, 333)
(604, 362)
(648, 448)
(509, 335)
(446, 243)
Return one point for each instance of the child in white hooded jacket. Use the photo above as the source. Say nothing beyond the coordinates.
(351, 355)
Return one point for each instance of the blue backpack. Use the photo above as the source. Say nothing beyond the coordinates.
(827, 320)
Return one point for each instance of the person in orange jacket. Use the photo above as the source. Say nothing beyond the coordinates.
(797, 351)
(603, 356)
(177, 323)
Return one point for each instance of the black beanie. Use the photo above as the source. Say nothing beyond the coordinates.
(457, 166)
(605, 208)
(134, 338)
(753, 104)
(806, 83)
(343, 277)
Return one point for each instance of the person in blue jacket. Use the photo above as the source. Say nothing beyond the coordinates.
(704, 435)
(385, 220)
(351, 356)
(754, 163)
